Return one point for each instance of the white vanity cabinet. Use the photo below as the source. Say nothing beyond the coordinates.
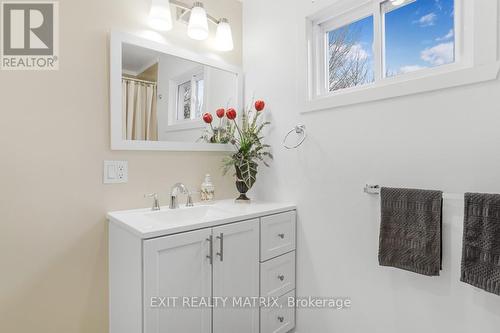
(158, 284)
(177, 266)
(219, 262)
(236, 274)
(277, 270)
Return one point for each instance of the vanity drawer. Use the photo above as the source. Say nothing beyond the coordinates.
(278, 319)
(277, 276)
(277, 234)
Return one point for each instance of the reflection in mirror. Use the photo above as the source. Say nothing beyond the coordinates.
(164, 97)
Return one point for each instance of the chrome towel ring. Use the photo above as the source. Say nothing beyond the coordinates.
(300, 130)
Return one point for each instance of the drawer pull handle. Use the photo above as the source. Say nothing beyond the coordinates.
(282, 236)
(221, 251)
(281, 319)
(210, 256)
(281, 277)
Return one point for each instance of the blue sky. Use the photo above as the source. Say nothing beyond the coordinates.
(418, 35)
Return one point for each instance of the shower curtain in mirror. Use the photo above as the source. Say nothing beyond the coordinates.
(139, 110)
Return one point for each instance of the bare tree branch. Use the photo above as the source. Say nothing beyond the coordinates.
(348, 63)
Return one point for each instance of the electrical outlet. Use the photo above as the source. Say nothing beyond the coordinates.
(115, 172)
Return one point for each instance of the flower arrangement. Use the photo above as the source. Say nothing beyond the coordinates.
(221, 133)
(246, 137)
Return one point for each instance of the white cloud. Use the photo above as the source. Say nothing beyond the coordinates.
(438, 4)
(410, 68)
(439, 55)
(427, 20)
(449, 35)
(358, 52)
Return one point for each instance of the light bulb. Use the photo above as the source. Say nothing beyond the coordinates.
(160, 17)
(198, 23)
(224, 36)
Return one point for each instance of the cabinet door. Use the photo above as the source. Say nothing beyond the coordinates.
(236, 274)
(177, 266)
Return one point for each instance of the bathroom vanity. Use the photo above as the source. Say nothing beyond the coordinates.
(165, 265)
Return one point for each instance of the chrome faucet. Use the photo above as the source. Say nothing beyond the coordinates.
(179, 187)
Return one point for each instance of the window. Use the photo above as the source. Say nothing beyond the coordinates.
(412, 35)
(419, 34)
(350, 58)
(366, 50)
(184, 97)
(190, 97)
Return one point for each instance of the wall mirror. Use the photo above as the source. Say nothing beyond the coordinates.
(159, 94)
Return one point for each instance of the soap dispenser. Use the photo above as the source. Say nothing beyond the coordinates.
(207, 189)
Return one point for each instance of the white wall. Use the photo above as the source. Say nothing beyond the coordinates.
(444, 140)
(221, 89)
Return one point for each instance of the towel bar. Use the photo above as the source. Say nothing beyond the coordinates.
(375, 189)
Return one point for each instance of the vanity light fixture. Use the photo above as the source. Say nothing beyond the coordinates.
(398, 2)
(160, 18)
(198, 22)
(224, 36)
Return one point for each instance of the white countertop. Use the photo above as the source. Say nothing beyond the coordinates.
(145, 223)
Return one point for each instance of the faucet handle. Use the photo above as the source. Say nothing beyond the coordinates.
(156, 202)
(189, 201)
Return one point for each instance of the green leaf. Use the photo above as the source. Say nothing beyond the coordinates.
(248, 170)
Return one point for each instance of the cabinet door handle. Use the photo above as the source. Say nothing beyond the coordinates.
(282, 236)
(281, 277)
(281, 319)
(210, 256)
(221, 242)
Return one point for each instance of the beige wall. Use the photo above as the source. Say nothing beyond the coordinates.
(54, 137)
(150, 74)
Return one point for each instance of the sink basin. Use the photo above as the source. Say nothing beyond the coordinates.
(149, 224)
(187, 214)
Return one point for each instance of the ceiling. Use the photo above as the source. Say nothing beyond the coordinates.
(136, 59)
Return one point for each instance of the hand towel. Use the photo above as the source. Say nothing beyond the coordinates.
(481, 242)
(410, 230)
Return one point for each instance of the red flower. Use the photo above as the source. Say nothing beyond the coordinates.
(220, 113)
(259, 105)
(207, 117)
(231, 114)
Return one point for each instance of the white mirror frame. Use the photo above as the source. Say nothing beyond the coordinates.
(117, 39)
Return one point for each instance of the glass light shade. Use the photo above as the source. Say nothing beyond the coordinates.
(198, 23)
(160, 17)
(398, 2)
(224, 36)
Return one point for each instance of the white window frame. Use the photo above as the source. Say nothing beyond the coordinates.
(175, 124)
(476, 54)
(192, 77)
(321, 40)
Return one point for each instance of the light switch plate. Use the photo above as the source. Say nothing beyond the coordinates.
(115, 172)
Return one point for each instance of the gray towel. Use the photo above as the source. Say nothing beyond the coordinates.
(410, 230)
(481, 242)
